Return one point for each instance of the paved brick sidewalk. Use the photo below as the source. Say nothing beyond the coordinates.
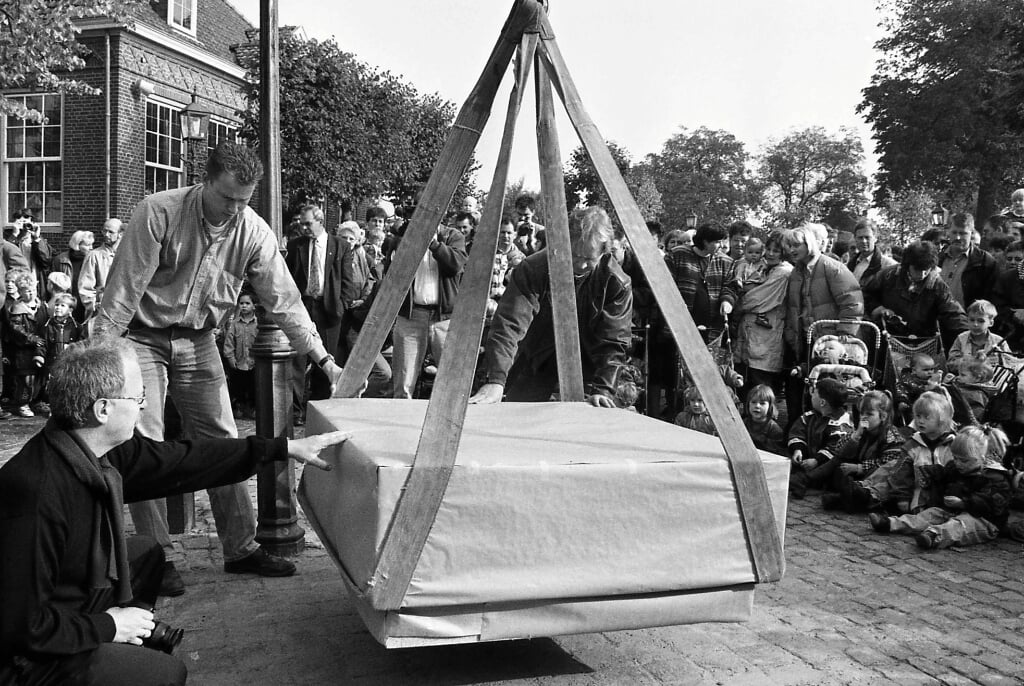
(854, 608)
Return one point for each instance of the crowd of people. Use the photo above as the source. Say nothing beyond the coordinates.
(930, 455)
(167, 308)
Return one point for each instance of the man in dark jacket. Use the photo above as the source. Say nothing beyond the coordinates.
(868, 259)
(520, 351)
(423, 317)
(77, 597)
(969, 271)
(912, 298)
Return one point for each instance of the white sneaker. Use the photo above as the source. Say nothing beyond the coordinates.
(26, 411)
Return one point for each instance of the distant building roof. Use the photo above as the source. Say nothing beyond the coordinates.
(219, 26)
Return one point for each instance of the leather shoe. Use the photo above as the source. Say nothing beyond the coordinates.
(879, 522)
(172, 585)
(262, 563)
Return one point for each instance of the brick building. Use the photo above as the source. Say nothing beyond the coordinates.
(97, 156)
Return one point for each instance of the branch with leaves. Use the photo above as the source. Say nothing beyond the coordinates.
(39, 46)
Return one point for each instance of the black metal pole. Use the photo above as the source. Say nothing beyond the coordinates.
(277, 530)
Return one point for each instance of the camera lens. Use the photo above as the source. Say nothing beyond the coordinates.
(164, 638)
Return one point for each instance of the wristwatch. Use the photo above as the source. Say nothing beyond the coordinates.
(324, 360)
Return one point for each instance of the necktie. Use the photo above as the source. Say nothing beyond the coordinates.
(315, 272)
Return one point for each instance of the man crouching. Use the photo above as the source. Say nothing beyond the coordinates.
(77, 597)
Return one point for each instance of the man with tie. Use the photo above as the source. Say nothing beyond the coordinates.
(315, 262)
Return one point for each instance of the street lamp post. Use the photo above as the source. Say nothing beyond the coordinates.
(195, 121)
(691, 221)
(938, 216)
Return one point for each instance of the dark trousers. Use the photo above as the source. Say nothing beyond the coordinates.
(529, 385)
(319, 385)
(112, 664)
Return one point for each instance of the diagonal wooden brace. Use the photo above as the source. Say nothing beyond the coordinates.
(748, 473)
(446, 412)
(526, 16)
(559, 250)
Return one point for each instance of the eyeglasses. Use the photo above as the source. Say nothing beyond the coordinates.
(141, 400)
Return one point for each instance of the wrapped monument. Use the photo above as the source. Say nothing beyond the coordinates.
(558, 518)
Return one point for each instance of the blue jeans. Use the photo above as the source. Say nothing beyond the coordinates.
(950, 528)
(412, 339)
(186, 363)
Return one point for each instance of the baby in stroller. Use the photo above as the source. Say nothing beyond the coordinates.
(922, 375)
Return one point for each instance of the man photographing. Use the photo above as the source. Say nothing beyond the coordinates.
(77, 597)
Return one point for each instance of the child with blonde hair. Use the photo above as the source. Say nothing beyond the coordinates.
(759, 417)
(975, 495)
(978, 342)
(901, 483)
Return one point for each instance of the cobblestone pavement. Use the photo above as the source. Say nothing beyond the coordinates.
(853, 608)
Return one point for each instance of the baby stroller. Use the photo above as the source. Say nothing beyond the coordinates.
(900, 351)
(846, 350)
(719, 344)
(1000, 395)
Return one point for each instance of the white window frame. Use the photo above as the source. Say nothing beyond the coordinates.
(218, 122)
(175, 108)
(7, 212)
(193, 4)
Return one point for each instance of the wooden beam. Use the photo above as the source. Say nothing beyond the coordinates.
(748, 472)
(446, 412)
(437, 194)
(559, 250)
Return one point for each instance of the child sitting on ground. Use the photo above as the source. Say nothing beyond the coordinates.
(923, 375)
(898, 484)
(817, 433)
(975, 492)
(978, 342)
(874, 442)
(695, 416)
(760, 419)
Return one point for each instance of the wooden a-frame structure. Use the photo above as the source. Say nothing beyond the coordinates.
(527, 36)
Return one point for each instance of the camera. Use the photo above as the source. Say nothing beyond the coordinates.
(164, 638)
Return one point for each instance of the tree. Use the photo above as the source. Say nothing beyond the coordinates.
(809, 174)
(944, 100)
(348, 129)
(582, 183)
(703, 172)
(906, 214)
(645, 192)
(38, 46)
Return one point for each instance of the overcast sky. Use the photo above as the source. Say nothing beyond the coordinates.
(644, 68)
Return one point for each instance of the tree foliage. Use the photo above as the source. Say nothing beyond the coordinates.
(905, 215)
(348, 129)
(38, 46)
(704, 172)
(582, 184)
(944, 101)
(809, 174)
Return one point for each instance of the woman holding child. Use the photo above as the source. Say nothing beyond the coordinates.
(762, 309)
